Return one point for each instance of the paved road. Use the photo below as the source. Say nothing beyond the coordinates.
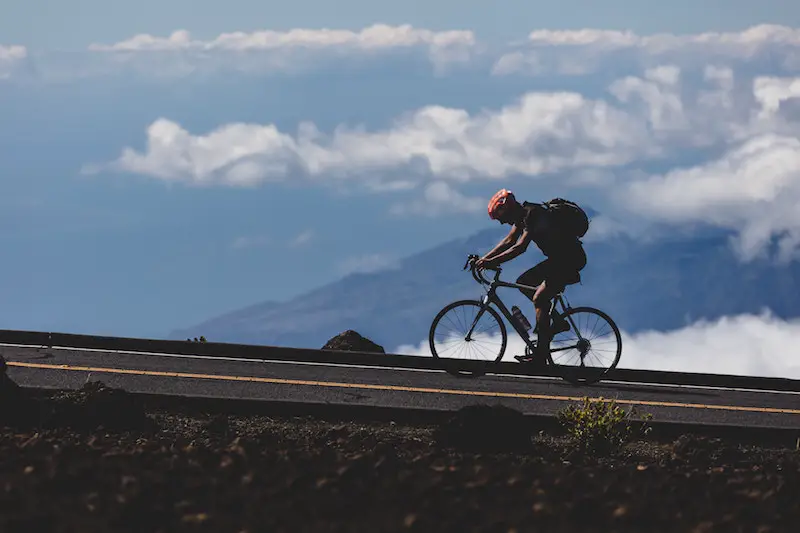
(390, 387)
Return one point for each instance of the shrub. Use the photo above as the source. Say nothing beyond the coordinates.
(600, 425)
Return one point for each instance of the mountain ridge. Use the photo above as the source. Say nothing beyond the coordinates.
(663, 283)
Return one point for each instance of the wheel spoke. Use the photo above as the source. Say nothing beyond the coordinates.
(448, 333)
(580, 363)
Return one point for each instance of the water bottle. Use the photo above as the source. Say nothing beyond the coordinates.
(520, 318)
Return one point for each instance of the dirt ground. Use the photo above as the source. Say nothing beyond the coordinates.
(97, 460)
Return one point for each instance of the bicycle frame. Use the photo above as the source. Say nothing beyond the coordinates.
(491, 297)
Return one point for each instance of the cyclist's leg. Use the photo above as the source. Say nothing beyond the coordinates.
(533, 277)
(542, 277)
(567, 272)
(536, 277)
(542, 301)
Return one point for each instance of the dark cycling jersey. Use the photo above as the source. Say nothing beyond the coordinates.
(550, 239)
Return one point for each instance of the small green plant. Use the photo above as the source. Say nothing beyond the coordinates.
(601, 426)
(201, 339)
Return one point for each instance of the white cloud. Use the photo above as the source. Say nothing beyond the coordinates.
(751, 345)
(754, 188)
(234, 154)
(10, 58)
(658, 96)
(374, 37)
(604, 226)
(771, 49)
(283, 49)
(539, 133)
(580, 52)
(648, 118)
(11, 53)
(367, 264)
(771, 92)
(302, 238)
(437, 199)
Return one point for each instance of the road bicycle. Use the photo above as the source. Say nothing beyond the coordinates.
(564, 321)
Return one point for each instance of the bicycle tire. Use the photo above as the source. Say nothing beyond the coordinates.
(452, 368)
(594, 377)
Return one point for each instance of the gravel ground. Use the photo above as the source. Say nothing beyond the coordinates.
(97, 461)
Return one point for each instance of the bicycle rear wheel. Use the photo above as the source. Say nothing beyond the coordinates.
(585, 357)
(448, 336)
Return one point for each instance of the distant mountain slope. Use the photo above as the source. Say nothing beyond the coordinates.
(247, 317)
(662, 284)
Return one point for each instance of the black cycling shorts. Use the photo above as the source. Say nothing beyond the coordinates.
(557, 271)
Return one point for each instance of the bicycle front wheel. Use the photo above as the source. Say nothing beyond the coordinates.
(466, 329)
(585, 356)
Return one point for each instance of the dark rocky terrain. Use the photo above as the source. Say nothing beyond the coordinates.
(99, 459)
(352, 341)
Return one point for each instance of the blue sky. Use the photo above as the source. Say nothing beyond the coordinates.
(225, 199)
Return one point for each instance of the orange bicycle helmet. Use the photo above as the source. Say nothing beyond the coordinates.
(499, 199)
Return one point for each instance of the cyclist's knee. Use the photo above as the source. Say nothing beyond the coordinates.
(544, 295)
(528, 293)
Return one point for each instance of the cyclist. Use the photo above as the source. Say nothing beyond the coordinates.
(565, 259)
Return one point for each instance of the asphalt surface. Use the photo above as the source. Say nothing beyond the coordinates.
(385, 387)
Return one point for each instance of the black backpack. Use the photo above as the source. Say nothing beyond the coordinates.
(568, 215)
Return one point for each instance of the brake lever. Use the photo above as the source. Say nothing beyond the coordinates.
(470, 258)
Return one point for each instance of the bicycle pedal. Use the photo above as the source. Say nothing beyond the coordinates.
(530, 360)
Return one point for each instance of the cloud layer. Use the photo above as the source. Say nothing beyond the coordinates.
(754, 188)
(539, 133)
(375, 37)
(771, 49)
(580, 52)
(296, 48)
(748, 345)
(546, 52)
(10, 58)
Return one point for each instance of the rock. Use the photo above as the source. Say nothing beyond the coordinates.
(97, 405)
(16, 407)
(352, 341)
(9, 390)
(92, 406)
(699, 449)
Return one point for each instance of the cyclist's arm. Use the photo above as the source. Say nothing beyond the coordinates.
(516, 249)
(504, 244)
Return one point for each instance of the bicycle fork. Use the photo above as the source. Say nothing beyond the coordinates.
(485, 302)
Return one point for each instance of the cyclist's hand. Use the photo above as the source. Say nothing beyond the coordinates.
(484, 263)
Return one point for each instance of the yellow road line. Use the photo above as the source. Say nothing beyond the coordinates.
(255, 379)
